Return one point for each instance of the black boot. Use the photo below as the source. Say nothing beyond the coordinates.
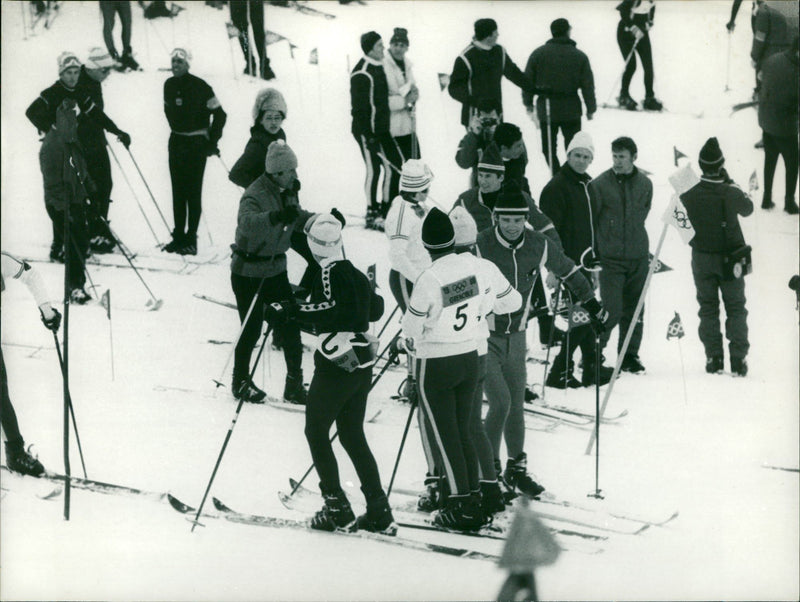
(431, 498)
(336, 513)
(378, 517)
(739, 366)
(651, 103)
(589, 376)
(294, 391)
(176, 243)
(462, 513)
(790, 206)
(20, 460)
(516, 476)
(266, 71)
(244, 389)
(506, 490)
(626, 102)
(715, 364)
(189, 246)
(492, 500)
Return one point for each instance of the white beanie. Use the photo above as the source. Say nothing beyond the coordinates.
(416, 176)
(66, 60)
(183, 54)
(99, 59)
(464, 225)
(325, 236)
(581, 140)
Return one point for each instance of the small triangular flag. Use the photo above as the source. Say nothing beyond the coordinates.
(105, 301)
(313, 58)
(371, 275)
(754, 181)
(444, 81)
(660, 266)
(678, 155)
(577, 316)
(270, 37)
(675, 328)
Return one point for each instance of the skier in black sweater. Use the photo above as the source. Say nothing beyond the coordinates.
(636, 20)
(189, 104)
(341, 308)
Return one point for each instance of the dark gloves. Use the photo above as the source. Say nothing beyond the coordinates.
(280, 311)
(287, 215)
(124, 138)
(338, 215)
(53, 322)
(597, 314)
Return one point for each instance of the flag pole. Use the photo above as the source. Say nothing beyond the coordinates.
(621, 355)
(683, 374)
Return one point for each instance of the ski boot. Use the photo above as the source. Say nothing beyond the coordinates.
(767, 203)
(294, 391)
(244, 390)
(369, 220)
(79, 296)
(20, 460)
(266, 71)
(175, 244)
(561, 379)
(739, 366)
(431, 498)
(189, 245)
(101, 244)
(505, 489)
(626, 102)
(651, 103)
(790, 206)
(462, 513)
(714, 365)
(128, 62)
(336, 513)
(378, 518)
(57, 254)
(589, 376)
(492, 501)
(631, 363)
(516, 476)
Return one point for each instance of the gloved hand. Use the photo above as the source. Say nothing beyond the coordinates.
(211, 149)
(589, 116)
(638, 34)
(280, 311)
(124, 138)
(287, 215)
(338, 215)
(397, 346)
(374, 145)
(412, 96)
(475, 125)
(597, 314)
(50, 317)
(730, 26)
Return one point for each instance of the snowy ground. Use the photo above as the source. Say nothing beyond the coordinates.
(701, 453)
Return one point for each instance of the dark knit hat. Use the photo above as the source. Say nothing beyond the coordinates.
(438, 233)
(711, 155)
(484, 28)
(511, 201)
(400, 35)
(559, 27)
(368, 41)
(491, 160)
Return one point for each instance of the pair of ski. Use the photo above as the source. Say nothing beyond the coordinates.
(570, 415)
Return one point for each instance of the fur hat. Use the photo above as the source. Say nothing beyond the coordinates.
(711, 156)
(437, 231)
(416, 176)
(464, 226)
(368, 41)
(183, 54)
(279, 157)
(400, 35)
(269, 99)
(581, 140)
(325, 236)
(511, 201)
(99, 59)
(66, 60)
(491, 160)
(484, 28)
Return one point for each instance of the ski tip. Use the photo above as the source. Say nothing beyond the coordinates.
(178, 505)
(219, 505)
(293, 484)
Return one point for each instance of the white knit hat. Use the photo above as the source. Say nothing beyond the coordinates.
(325, 236)
(183, 54)
(464, 225)
(581, 140)
(416, 176)
(99, 59)
(66, 60)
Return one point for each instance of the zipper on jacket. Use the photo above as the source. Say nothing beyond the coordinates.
(516, 284)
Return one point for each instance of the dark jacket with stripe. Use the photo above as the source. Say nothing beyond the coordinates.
(478, 72)
(778, 97)
(91, 132)
(566, 200)
(42, 111)
(620, 204)
(190, 103)
(369, 99)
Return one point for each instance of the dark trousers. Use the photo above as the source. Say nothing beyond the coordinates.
(79, 240)
(568, 130)
(407, 148)
(341, 397)
(483, 447)
(446, 391)
(707, 272)
(8, 417)
(577, 337)
(99, 168)
(786, 147)
(377, 166)
(275, 288)
(621, 285)
(625, 41)
(109, 8)
(187, 162)
(239, 17)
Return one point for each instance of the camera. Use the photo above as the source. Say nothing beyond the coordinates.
(488, 122)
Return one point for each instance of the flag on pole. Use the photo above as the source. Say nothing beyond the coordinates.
(444, 81)
(105, 301)
(675, 328)
(660, 265)
(754, 181)
(577, 316)
(675, 216)
(678, 155)
(371, 276)
(270, 37)
(313, 58)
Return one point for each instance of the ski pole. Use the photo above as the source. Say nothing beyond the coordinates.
(153, 303)
(65, 361)
(728, 63)
(69, 403)
(389, 319)
(336, 434)
(196, 520)
(146, 185)
(402, 444)
(624, 67)
(549, 137)
(596, 493)
(135, 197)
(225, 167)
(388, 346)
(550, 338)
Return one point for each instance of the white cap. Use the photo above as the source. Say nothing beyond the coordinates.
(183, 54)
(416, 176)
(325, 236)
(99, 59)
(464, 225)
(581, 140)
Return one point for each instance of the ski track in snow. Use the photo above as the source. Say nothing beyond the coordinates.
(159, 424)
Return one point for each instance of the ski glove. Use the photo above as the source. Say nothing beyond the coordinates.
(597, 314)
(54, 321)
(281, 311)
(338, 215)
(287, 215)
(211, 149)
(124, 138)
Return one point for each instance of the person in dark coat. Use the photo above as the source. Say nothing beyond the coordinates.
(771, 34)
(559, 66)
(621, 199)
(480, 134)
(91, 133)
(479, 70)
(777, 117)
(508, 139)
(566, 200)
(633, 34)
(196, 120)
(714, 205)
